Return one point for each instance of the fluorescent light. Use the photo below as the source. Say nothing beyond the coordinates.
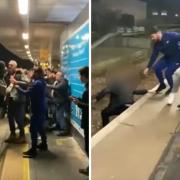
(23, 7)
(26, 46)
(28, 52)
(25, 36)
(176, 15)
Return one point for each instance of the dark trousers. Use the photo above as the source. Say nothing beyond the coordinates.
(86, 140)
(37, 126)
(111, 111)
(16, 113)
(169, 65)
(61, 117)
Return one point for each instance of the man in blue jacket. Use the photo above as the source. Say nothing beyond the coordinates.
(37, 94)
(168, 44)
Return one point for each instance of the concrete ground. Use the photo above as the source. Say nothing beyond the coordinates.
(61, 162)
(134, 145)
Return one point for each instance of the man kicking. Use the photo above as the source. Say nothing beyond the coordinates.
(168, 44)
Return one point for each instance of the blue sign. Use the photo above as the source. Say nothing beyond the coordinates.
(75, 55)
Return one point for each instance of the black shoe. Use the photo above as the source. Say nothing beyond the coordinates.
(31, 153)
(160, 88)
(84, 171)
(168, 91)
(11, 138)
(63, 133)
(42, 147)
(178, 106)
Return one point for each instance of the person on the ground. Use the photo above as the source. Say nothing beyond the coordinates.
(167, 43)
(37, 94)
(121, 96)
(83, 103)
(60, 95)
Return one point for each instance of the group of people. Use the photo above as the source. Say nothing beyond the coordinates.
(45, 96)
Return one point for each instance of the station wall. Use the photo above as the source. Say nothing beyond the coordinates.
(74, 54)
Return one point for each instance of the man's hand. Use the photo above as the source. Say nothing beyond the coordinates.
(12, 80)
(74, 99)
(146, 71)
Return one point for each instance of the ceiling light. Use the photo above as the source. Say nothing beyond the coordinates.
(25, 36)
(26, 46)
(23, 7)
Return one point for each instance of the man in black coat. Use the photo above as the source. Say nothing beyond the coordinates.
(121, 97)
(83, 103)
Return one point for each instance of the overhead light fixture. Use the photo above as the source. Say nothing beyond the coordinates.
(23, 7)
(26, 46)
(28, 52)
(25, 36)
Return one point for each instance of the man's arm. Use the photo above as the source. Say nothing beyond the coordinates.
(57, 86)
(154, 56)
(102, 93)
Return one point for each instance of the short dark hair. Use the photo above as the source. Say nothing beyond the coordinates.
(84, 72)
(39, 71)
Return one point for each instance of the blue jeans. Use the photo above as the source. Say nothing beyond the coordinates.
(16, 113)
(61, 113)
(169, 65)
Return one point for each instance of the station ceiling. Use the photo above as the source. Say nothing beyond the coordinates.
(44, 23)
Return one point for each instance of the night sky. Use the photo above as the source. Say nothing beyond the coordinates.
(134, 7)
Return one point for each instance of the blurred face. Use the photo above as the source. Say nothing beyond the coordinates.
(59, 76)
(30, 74)
(83, 79)
(156, 37)
(11, 66)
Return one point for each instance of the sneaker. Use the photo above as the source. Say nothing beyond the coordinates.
(170, 99)
(160, 88)
(84, 171)
(42, 147)
(11, 138)
(31, 153)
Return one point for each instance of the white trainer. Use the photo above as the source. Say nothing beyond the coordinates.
(171, 99)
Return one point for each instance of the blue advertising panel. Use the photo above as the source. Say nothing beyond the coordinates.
(75, 55)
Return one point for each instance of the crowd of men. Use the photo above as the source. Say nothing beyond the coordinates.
(45, 96)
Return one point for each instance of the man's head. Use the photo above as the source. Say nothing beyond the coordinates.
(59, 76)
(12, 65)
(84, 74)
(38, 73)
(157, 36)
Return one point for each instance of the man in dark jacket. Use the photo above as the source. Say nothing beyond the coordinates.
(83, 103)
(121, 97)
(168, 44)
(37, 94)
(61, 100)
